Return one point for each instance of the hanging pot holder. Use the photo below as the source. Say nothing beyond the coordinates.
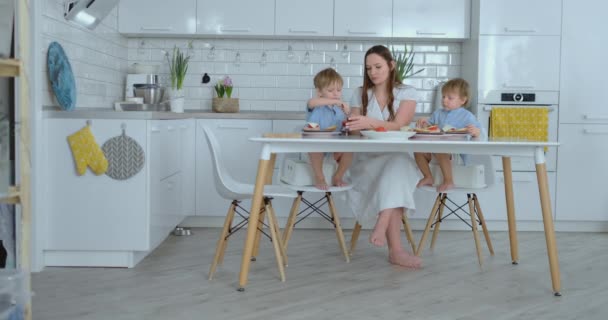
(125, 156)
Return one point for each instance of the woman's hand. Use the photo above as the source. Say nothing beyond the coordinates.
(422, 123)
(357, 123)
(473, 130)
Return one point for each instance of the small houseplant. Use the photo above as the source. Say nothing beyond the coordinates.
(178, 67)
(224, 104)
(404, 62)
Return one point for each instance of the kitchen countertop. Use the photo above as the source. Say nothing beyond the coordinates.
(163, 115)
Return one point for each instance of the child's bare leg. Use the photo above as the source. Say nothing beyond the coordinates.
(344, 159)
(316, 161)
(378, 235)
(422, 160)
(446, 169)
(396, 254)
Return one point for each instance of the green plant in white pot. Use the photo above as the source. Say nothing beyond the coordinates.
(404, 62)
(178, 67)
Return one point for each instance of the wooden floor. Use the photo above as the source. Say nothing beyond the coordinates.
(172, 282)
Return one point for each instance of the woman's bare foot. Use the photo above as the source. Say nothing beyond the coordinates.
(320, 183)
(378, 235)
(425, 181)
(338, 182)
(445, 186)
(404, 259)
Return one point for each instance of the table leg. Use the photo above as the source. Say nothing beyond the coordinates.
(254, 215)
(508, 175)
(545, 203)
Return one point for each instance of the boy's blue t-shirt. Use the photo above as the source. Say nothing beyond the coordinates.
(457, 118)
(326, 116)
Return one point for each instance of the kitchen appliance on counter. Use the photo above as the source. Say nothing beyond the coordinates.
(139, 78)
(524, 99)
(143, 92)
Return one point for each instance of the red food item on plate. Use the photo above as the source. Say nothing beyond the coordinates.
(380, 129)
(434, 128)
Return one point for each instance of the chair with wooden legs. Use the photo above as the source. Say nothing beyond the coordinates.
(235, 191)
(406, 227)
(444, 201)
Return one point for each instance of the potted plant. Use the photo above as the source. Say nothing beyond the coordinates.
(178, 67)
(405, 64)
(227, 104)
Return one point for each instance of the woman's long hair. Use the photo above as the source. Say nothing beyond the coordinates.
(392, 80)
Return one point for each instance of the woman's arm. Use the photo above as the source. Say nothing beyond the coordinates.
(317, 102)
(403, 117)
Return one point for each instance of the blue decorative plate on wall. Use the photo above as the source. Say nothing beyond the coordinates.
(61, 77)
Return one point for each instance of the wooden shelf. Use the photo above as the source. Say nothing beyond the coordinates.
(9, 67)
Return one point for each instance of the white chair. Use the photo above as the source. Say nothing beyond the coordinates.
(296, 215)
(444, 200)
(235, 191)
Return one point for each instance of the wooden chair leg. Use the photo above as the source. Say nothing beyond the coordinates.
(428, 225)
(438, 221)
(484, 227)
(408, 232)
(474, 224)
(256, 244)
(354, 237)
(221, 259)
(291, 221)
(338, 227)
(220, 247)
(276, 240)
(276, 226)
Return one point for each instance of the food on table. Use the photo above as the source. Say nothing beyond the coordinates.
(380, 129)
(429, 129)
(312, 125)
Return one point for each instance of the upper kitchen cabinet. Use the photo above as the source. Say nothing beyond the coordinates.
(432, 19)
(304, 18)
(520, 17)
(176, 17)
(518, 63)
(235, 17)
(362, 18)
(583, 62)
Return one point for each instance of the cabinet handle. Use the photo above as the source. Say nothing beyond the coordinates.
(154, 129)
(361, 32)
(422, 33)
(303, 31)
(235, 30)
(592, 117)
(507, 29)
(232, 127)
(488, 108)
(587, 131)
(156, 28)
(510, 86)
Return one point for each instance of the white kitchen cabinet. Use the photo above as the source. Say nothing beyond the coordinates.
(520, 17)
(98, 221)
(235, 17)
(581, 183)
(158, 17)
(519, 63)
(363, 18)
(583, 62)
(187, 140)
(304, 18)
(239, 156)
(432, 19)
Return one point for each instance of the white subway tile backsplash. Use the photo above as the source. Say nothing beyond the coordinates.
(436, 58)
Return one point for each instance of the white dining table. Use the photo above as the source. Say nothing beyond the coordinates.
(273, 144)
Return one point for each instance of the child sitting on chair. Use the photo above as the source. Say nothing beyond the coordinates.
(453, 115)
(328, 111)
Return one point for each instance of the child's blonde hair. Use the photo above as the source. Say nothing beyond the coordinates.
(458, 85)
(327, 77)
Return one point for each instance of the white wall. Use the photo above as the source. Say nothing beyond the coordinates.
(98, 57)
(284, 84)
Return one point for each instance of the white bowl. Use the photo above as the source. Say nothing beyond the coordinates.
(388, 135)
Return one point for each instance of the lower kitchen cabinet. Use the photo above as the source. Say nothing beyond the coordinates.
(581, 180)
(98, 221)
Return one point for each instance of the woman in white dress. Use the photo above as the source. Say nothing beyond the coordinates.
(383, 183)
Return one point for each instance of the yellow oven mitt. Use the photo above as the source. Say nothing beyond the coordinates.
(86, 152)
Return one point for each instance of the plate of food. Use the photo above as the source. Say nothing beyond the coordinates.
(313, 129)
(452, 130)
(382, 134)
(428, 130)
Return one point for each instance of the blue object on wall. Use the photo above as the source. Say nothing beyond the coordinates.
(61, 76)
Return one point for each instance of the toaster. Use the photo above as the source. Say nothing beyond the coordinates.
(298, 172)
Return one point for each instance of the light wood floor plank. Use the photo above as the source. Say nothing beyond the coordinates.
(171, 283)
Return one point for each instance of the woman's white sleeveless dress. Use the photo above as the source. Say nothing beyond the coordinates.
(382, 180)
